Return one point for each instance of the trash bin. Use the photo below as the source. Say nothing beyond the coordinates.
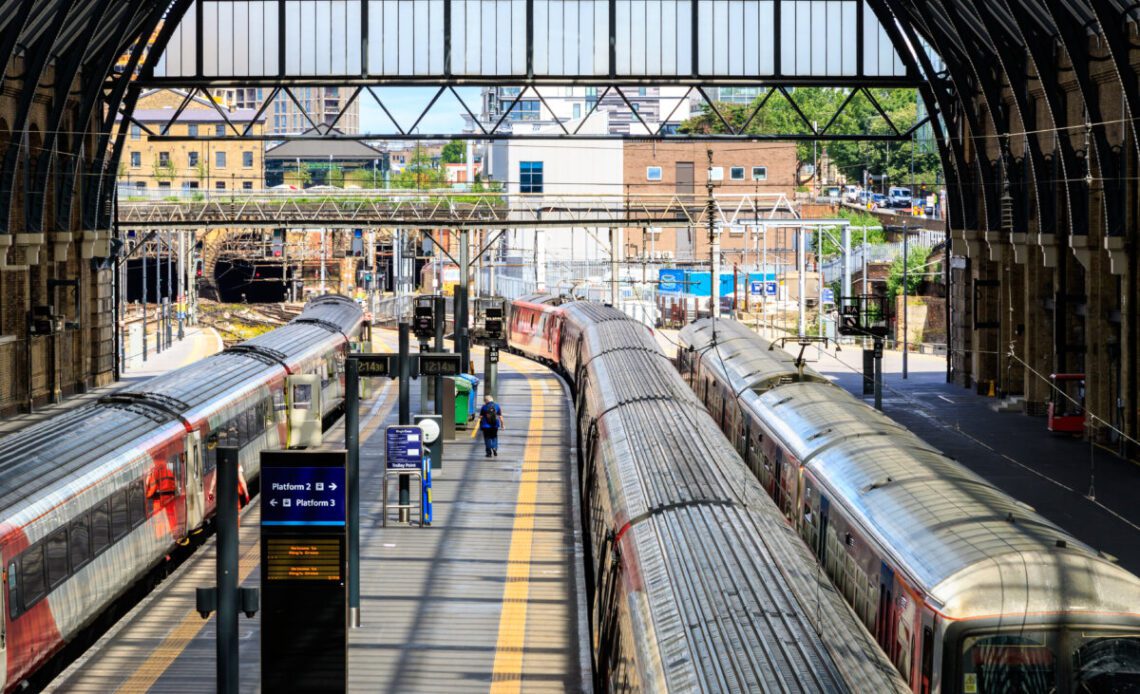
(463, 400)
(473, 402)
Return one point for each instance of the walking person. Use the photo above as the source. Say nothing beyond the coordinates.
(490, 421)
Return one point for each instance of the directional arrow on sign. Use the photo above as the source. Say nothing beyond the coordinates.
(273, 502)
(332, 486)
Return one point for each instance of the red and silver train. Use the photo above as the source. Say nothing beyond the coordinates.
(966, 589)
(93, 500)
(696, 583)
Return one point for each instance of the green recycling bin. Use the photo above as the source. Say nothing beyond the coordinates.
(463, 397)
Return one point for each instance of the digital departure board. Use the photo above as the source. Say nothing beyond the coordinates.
(304, 571)
(304, 559)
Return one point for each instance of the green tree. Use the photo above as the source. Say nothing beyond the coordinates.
(839, 112)
(163, 171)
(334, 176)
(419, 173)
(917, 273)
(454, 152)
(365, 178)
(301, 176)
(202, 172)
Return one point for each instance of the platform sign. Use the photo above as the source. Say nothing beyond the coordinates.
(404, 447)
(828, 295)
(303, 496)
(304, 568)
(493, 355)
(756, 287)
(771, 288)
(439, 364)
(373, 365)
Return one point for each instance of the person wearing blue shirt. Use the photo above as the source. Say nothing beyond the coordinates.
(490, 421)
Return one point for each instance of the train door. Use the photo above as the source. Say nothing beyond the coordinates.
(303, 398)
(778, 481)
(885, 618)
(195, 488)
(824, 513)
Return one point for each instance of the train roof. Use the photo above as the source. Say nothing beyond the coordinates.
(742, 355)
(697, 515)
(37, 459)
(948, 528)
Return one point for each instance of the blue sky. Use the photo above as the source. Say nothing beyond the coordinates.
(406, 103)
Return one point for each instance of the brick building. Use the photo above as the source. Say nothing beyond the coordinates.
(759, 176)
(188, 165)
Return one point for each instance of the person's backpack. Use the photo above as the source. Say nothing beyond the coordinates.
(490, 416)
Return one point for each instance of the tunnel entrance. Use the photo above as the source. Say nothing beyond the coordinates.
(244, 281)
(159, 282)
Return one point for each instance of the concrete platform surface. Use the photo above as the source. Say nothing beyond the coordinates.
(489, 598)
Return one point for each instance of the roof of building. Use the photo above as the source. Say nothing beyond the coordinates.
(322, 146)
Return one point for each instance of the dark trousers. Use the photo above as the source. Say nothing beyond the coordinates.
(491, 439)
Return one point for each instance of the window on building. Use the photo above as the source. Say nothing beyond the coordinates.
(577, 110)
(653, 173)
(219, 185)
(192, 130)
(220, 159)
(136, 160)
(164, 158)
(527, 110)
(220, 130)
(164, 185)
(247, 159)
(641, 91)
(247, 185)
(736, 173)
(189, 185)
(136, 131)
(759, 173)
(140, 184)
(530, 177)
(193, 159)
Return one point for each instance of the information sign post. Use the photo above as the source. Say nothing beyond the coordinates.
(304, 630)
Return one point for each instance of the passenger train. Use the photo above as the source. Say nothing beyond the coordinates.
(93, 500)
(696, 582)
(965, 588)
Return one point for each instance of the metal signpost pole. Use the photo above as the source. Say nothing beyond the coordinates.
(461, 334)
(142, 256)
(227, 570)
(405, 371)
(352, 441)
(181, 283)
(440, 314)
(878, 373)
(906, 261)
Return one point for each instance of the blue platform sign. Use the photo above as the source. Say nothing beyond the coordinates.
(303, 496)
(756, 287)
(828, 296)
(404, 447)
(771, 288)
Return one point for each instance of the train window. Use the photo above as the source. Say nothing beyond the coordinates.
(1023, 661)
(80, 542)
(120, 521)
(100, 528)
(13, 590)
(55, 555)
(302, 396)
(136, 503)
(32, 584)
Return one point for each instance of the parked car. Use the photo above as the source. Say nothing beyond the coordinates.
(880, 200)
(851, 193)
(899, 197)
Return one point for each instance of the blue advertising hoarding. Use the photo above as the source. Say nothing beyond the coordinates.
(303, 496)
(670, 281)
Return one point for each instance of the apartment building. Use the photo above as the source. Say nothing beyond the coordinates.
(216, 165)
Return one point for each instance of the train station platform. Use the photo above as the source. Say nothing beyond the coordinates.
(198, 343)
(1082, 487)
(490, 597)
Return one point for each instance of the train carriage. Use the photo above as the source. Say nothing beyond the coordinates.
(93, 500)
(965, 588)
(695, 580)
